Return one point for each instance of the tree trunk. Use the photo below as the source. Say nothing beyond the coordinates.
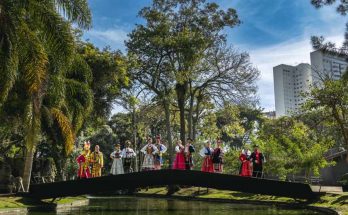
(135, 139)
(195, 119)
(28, 164)
(169, 131)
(190, 113)
(180, 93)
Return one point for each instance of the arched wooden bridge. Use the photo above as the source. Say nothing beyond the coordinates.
(171, 177)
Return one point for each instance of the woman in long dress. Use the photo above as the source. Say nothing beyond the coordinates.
(116, 156)
(245, 169)
(206, 153)
(179, 161)
(161, 149)
(218, 155)
(149, 151)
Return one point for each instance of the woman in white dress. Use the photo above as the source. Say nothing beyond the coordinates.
(116, 156)
(149, 151)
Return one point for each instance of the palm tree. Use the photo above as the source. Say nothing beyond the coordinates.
(36, 43)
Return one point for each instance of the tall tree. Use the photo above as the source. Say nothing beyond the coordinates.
(226, 76)
(109, 74)
(185, 29)
(36, 42)
(333, 98)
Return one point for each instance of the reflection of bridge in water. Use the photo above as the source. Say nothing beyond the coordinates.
(171, 177)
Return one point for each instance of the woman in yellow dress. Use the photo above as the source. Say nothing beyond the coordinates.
(97, 161)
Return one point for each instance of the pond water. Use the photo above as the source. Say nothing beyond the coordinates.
(150, 206)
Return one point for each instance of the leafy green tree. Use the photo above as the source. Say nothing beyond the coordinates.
(36, 43)
(109, 75)
(181, 32)
(291, 148)
(332, 98)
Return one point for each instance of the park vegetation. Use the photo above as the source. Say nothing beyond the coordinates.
(179, 78)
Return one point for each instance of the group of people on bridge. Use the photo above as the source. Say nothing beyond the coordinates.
(91, 163)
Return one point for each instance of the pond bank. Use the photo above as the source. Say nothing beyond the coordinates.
(19, 205)
(327, 204)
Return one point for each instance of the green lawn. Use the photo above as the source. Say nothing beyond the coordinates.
(19, 202)
(338, 202)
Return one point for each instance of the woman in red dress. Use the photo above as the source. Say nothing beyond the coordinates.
(83, 162)
(245, 169)
(206, 153)
(179, 162)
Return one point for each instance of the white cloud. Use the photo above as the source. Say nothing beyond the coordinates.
(292, 52)
(114, 37)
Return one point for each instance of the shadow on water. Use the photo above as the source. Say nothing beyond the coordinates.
(150, 206)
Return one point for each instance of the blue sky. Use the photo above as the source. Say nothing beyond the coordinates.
(272, 31)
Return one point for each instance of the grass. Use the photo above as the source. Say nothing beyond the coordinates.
(338, 202)
(20, 202)
(11, 202)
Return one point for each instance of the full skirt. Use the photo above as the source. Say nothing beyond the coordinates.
(179, 162)
(117, 167)
(149, 162)
(207, 165)
(246, 169)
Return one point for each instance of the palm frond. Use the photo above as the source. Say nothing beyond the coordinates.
(66, 129)
(34, 63)
(54, 31)
(8, 67)
(77, 11)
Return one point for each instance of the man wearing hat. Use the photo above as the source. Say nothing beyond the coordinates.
(257, 159)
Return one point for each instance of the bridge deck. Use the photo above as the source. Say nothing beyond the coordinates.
(171, 177)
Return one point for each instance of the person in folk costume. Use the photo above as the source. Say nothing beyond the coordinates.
(218, 155)
(161, 149)
(179, 161)
(245, 168)
(149, 151)
(97, 161)
(116, 156)
(206, 153)
(189, 150)
(83, 161)
(128, 155)
(257, 159)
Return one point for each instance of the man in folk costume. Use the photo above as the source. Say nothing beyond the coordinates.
(116, 156)
(189, 150)
(179, 161)
(257, 159)
(149, 151)
(97, 161)
(83, 161)
(161, 149)
(218, 155)
(128, 155)
(245, 168)
(206, 153)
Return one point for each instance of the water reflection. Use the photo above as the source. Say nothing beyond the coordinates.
(148, 206)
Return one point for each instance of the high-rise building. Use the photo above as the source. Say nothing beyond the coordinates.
(289, 84)
(291, 81)
(326, 65)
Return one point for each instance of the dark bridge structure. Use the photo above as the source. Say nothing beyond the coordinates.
(159, 178)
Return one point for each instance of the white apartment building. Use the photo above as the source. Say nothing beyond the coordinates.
(289, 84)
(291, 81)
(325, 65)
